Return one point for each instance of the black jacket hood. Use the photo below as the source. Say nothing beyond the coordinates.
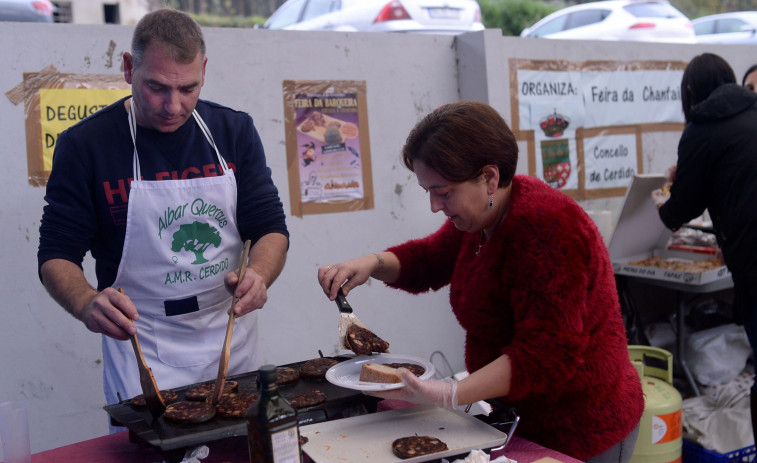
(724, 102)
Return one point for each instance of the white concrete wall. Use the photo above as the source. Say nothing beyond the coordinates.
(53, 362)
(92, 11)
(485, 72)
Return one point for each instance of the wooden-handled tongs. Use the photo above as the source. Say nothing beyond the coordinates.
(223, 363)
(154, 400)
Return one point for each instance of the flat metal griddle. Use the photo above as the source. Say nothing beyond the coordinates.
(168, 435)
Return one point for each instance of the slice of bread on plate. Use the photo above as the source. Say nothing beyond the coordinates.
(371, 372)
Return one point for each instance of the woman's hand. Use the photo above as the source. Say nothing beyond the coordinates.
(431, 391)
(670, 176)
(346, 275)
(659, 198)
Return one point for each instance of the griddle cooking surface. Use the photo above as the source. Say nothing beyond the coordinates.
(169, 435)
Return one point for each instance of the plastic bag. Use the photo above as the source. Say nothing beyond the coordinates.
(717, 355)
(478, 456)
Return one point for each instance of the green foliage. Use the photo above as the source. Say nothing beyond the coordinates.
(208, 20)
(512, 16)
(698, 8)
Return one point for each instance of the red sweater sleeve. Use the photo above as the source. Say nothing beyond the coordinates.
(427, 263)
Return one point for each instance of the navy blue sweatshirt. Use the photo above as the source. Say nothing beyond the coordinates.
(88, 190)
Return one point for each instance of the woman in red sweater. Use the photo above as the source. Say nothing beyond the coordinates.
(530, 282)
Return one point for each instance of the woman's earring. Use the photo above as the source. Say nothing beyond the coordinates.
(491, 202)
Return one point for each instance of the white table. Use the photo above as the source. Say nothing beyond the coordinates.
(680, 290)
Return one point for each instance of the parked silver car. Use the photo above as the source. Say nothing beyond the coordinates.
(26, 10)
(429, 16)
(736, 27)
(636, 20)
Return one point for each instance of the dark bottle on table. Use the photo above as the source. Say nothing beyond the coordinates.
(273, 432)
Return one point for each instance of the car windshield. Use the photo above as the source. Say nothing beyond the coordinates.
(728, 25)
(652, 10)
(317, 8)
(704, 28)
(586, 17)
(550, 27)
(287, 15)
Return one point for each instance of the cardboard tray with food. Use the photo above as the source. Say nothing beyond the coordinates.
(677, 266)
(641, 245)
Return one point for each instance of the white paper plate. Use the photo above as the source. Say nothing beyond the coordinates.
(347, 373)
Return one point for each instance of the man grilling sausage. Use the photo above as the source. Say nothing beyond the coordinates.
(162, 188)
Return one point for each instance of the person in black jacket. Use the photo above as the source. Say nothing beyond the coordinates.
(750, 78)
(717, 171)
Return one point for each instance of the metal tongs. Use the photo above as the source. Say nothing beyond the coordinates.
(346, 318)
(223, 363)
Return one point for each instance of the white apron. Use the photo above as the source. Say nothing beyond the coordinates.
(181, 240)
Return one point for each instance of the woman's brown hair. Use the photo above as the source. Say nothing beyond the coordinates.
(458, 139)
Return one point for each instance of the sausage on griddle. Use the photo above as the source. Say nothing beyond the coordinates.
(190, 412)
(203, 391)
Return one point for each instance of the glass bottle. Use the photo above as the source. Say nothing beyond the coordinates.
(273, 433)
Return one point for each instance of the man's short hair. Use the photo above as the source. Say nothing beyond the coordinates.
(173, 29)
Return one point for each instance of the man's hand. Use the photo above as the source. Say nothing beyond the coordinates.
(267, 258)
(111, 313)
(252, 292)
(108, 312)
(431, 391)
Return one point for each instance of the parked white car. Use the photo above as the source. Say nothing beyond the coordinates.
(27, 10)
(736, 27)
(429, 16)
(637, 20)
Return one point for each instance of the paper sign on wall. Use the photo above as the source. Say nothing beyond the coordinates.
(583, 122)
(60, 108)
(328, 150)
(54, 101)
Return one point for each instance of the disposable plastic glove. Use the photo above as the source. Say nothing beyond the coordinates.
(431, 391)
(659, 198)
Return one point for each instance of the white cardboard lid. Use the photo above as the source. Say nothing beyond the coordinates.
(639, 229)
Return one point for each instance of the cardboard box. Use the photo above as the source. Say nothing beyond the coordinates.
(640, 234)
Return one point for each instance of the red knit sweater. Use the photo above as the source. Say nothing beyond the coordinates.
(543, 292)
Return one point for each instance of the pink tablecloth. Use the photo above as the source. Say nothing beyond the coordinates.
(117, 448)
